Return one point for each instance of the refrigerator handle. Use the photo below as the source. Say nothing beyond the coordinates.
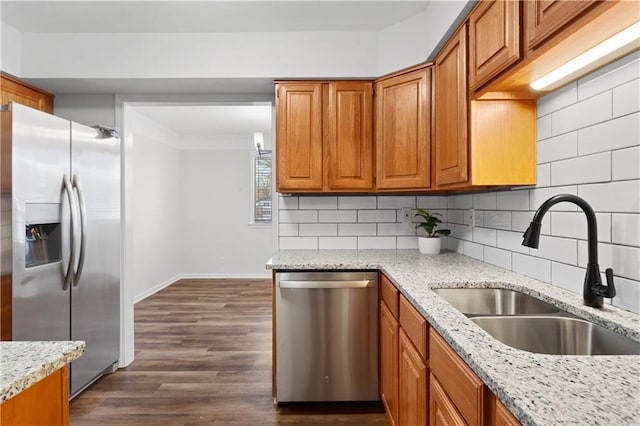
(72, 211)
(83, 228)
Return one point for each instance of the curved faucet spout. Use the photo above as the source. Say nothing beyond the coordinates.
(593, 290)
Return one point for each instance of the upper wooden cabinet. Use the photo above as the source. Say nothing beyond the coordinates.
(324, 136)
(403, 142)
(451, 111)
(14, 90)
(544, 18)
(494, 39)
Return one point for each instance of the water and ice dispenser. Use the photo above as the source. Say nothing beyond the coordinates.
(43, 239)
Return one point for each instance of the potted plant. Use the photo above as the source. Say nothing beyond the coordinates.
(429, 222)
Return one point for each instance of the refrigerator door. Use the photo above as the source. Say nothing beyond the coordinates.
(40, 211)
(95, 294)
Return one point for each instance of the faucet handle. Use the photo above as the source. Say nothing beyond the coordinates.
(609, 290)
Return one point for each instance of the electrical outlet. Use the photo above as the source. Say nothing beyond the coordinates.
(406, 214)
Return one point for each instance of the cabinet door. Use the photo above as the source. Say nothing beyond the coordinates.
(503, 417)
(348, 141)
(389, 362)
(413, 384)
(451, 114)
(442, 411)
(544, 18)
(299, 137)
(494, 39)
(403, 147)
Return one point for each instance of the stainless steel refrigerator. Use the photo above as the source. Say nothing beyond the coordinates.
(63, 183)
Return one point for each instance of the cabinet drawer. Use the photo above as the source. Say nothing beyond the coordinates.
(414, 325)
(461, 384)
(389, 294)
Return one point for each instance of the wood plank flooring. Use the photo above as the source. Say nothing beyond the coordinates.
(203, 357)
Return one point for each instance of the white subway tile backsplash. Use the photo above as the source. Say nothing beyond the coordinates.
(511, 241)
(473, 250)
(588, 169)
(538, 196)
(432, 201)
(340, 216)
(356, 229)
(497, 219)
(618, 133)
(455, 245)
(365, 243)
(485, 201)
(531, 266)
(558, 147)
(396, 229)
(288, 230)
(582, 114)
(626, 98)
(498, 257)
(343, 243)
(544, 175)
(298, 216)
(616, 197)
(561, 98)
(396, 202)
(310, 203)
(610, 76)
(626, 163)
(574, 225)
(407, 242)
(544, 127)
(368, 202)
(513, 200)
(318, 229)
(558, 249)
(627, 294)
(625, 229)
(456, 216)
(485, 236)
(376, 215)
(463, 232)
(298, 243)
(568, 277)
(462, 201)
(624, 260)
(478, 218)
(290, 203)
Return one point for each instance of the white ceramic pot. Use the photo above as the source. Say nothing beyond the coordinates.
(428, 245)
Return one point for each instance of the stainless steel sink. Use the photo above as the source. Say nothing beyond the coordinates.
(557, 335)
(494, 301)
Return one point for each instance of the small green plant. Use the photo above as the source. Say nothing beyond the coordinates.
(430, 222)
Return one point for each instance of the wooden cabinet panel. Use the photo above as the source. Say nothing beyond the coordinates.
(413, 384)
(460, 383)
(442, 411)
(44, 403)
(450, 111)
(544, 18)
(389, 362)
(348, 140)
(414, 325)
(389, 294)
(501, 416)
(299, 136)
(14, 90)
(494, 39)
(403, 147)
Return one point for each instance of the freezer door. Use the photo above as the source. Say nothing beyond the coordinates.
(40, 225)
(95, 294)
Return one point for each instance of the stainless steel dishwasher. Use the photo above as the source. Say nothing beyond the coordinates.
(326, 336)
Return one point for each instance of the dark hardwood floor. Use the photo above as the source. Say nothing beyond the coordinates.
(203, 357)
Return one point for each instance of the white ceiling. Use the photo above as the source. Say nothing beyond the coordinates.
(153, 16)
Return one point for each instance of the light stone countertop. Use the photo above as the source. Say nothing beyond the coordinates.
(23, 364)
(538, 389)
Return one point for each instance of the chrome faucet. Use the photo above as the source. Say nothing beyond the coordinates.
(593, 290)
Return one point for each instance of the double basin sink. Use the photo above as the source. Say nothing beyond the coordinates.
(526, 323)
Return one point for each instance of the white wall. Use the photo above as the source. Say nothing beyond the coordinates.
(10, 50)
(86, 109)
(157, 208)
(216, 237)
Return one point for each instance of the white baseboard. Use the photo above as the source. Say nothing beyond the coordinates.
(156, 288)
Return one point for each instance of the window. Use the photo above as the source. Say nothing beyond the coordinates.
(262, 189)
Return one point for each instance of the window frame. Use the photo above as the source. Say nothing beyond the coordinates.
(253, 158)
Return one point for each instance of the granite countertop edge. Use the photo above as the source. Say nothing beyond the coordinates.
(538, 389)
(26, 363)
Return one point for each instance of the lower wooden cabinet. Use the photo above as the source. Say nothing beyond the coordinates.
(389, 362)
(442, 411)
(44, 403)
(413, 384)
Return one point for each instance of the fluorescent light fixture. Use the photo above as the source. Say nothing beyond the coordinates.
(623, 38)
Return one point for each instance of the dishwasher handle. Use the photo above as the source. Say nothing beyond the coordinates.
(326, 284)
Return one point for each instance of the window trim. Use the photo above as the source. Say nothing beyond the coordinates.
(253, 156)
